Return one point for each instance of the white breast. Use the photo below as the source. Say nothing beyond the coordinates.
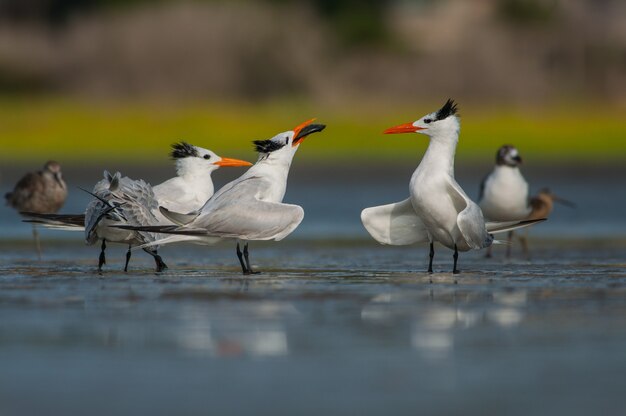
(505, 195)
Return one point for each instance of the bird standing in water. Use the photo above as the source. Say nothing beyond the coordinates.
(121, 200)
(504, 196)
(438, 210)
(250, 208)
(43, 192)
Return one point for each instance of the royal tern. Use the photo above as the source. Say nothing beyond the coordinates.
(121, 200)
(43, 192)
(438, 210)
(504, 195)
(250, 207)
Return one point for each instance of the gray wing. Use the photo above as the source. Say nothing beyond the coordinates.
(97, 209)
(138, 204)
(124, 201)
(237, 213)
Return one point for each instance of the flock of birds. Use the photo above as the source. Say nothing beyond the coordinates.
(250, 208)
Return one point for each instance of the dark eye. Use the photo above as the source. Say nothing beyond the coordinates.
(286, 140)
(207, 157)
(427, 120)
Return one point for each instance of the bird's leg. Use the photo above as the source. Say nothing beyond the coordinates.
(431, 255)
(102, 258)
(455, 256)
(524, 240)
(244, 269)
(37, 244)
(245, 255)
(488, 254)
(509, 240)
(127, 259)
(160, 265)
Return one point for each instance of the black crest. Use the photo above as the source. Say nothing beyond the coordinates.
(267, 146)
(448, 109)
(182, 150)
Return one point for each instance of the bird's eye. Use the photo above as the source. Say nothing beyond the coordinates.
(286, 140)
(427, 120)
(207, 157)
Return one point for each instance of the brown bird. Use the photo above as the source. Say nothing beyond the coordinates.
(42, 192)
(541, 206)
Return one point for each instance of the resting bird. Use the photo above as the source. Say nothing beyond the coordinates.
(121, 200)
(504, 195)
(43, 192)
(437, 210)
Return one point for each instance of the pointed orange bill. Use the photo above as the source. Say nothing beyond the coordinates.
(403, 128)
(226, 161)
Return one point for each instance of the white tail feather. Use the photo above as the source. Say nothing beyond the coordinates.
(63, 227)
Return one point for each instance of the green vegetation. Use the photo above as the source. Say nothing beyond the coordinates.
(78, 132)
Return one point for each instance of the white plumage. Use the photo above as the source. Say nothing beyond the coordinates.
(250, 207)
(438, 210)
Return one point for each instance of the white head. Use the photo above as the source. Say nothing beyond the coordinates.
(196, 161)
(283, 146)
(442, 124)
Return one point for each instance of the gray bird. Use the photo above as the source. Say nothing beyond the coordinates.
(42, 192)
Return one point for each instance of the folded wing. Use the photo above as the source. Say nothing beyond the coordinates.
(470, 219)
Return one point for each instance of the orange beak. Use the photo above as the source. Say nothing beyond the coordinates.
(226, 161)
(403, 128)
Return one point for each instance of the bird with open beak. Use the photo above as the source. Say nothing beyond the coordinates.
(249, 208)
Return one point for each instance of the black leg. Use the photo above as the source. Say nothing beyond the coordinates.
(431, 255)
(102, 258)
(455, 256)
(244, 268)
(127, 259)
(245, 255)
(160, 265)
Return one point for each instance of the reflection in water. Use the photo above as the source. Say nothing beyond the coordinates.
(437, 317)
(257, 332)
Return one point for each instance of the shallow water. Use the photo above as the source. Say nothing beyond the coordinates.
(348, 327)
(335, 324)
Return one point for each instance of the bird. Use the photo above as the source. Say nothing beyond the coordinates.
(249, 208)
(43, 192)
(504, 195)
(437, 210)
(121, 200)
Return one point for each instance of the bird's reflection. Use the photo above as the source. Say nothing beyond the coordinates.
(437, 318)
(255, 329)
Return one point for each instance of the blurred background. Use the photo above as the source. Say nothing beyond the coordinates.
(111, 84)
(337, 323)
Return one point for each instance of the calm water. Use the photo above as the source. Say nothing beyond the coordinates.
(335, 325)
